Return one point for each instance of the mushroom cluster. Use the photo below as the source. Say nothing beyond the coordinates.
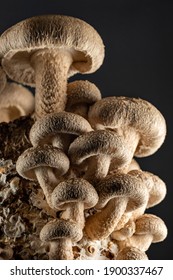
(83, 145)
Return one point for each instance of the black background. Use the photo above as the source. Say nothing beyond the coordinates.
(138, 39)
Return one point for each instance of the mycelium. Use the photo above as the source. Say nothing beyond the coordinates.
(84, 195)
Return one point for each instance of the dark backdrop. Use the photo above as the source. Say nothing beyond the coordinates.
(138, 38)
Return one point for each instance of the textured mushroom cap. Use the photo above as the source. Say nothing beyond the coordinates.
(149, 224)
(3, 79)
(58, 229)
(123, 114)
(98, 143)
(125, 186)
(19, 42)
(156, 187)
(82, 92)
(131, 253)
(46, 128)
(74, 190)
(18, 99)
(48, 156)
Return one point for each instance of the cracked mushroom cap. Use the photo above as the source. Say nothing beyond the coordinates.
(151, 225)
(72, 191)
(81, 92)
(131, 253)
(3, 79)
(15, 101)
(122, 185)
(123, 114)
(48, 127)
(97, 143)
(58, 229)
(55, 32)
(46, 156)
(156, 187)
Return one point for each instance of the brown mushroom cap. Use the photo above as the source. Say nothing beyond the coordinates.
(123, 114)
(60, 229)
(48, 127)
(46, 156)
(81, 93)
(3, 79)
(72, 191)
(156, 187)
(97, 143)
(131, 253)
(15, 101)
(149, 224)
(122, 185)
(19, 42)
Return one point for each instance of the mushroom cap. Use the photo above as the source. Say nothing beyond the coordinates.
(18, 99)
(46, 156)
(131, 253)
(125, 186)
(54, 32)
(72, 191)
(123, 114)
(82, 92)
(48, 127)
(58, 229)
(97, 143)
(149, 224)
(156, 187)
(3, 79)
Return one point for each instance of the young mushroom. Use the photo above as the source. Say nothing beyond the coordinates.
(15, 101)
(81, 95)
(73, 196)
(61, 234)
(45, 164)
(131, 253)
(118, 194)
(141, 126)
(148, 229)
(96, 149)
(43, 51)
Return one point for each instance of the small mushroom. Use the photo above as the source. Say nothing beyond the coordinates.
(118, 194)
(148, 229)
(81, 95)
(74, 196)
(45, 164)
(61, 234)
(3, 79)
(131, 253)
(15, 101)
(96, 149)
(43, 51)
(137, 121)
(57, 129)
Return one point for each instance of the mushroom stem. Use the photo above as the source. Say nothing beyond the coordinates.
(75, 212)
(61, 249)
(102, 224)
(9, 114)
(98, 168)
(51, 73)
(45, 176)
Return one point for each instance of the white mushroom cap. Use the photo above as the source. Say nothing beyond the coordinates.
(75, 36)
(15, 101)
